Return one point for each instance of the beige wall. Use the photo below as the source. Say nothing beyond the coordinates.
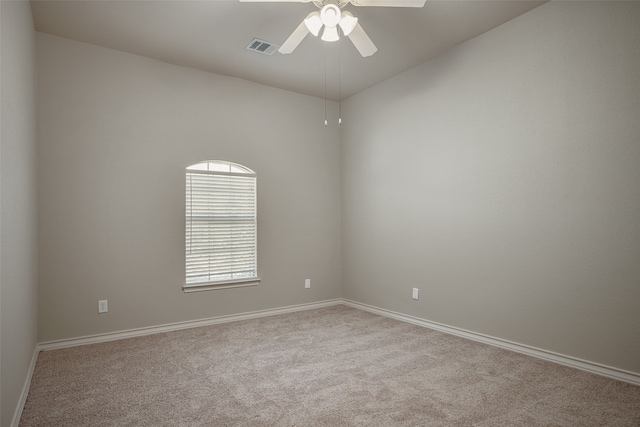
(503, 181)
(18, 224)
(116, 132)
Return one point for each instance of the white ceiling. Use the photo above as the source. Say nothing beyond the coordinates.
(212, 35)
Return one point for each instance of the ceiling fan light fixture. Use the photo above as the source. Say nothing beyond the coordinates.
(348, 22)
(314, 23)
(330, 34)
(330, 15)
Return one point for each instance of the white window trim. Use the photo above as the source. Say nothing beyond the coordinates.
(228, 284)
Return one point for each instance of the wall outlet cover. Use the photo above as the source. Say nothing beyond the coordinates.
(103, 306)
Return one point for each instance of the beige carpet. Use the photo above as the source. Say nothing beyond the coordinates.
(334, 366)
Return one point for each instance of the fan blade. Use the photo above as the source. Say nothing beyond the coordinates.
(276, 1)
(362, 42)
(388, 3)
(294, 39)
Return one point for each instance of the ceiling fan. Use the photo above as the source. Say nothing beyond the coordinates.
(331, 16)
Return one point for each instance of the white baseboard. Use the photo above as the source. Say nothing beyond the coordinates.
(130, 333)
(606, 371)
(112, 336)
(584, 365)
(25, 389)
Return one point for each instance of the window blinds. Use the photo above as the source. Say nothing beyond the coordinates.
(220, 227)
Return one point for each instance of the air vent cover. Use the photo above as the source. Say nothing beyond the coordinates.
(261, 46)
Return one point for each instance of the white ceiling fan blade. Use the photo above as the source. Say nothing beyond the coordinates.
(294, 39)
(361, 41)
(276, 1)
(388, 3)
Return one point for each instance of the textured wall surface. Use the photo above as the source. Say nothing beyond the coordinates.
(502, 180)
(116, 133)
(18, 215)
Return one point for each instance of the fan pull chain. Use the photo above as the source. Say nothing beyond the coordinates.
(339, 82)
(326, 123)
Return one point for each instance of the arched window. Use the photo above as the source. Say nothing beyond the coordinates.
(220, 226)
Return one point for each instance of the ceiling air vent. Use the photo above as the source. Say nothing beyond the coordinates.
(261, 46)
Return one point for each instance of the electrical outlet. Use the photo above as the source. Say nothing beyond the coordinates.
(415, 293)
(307, 283)
(102, 306)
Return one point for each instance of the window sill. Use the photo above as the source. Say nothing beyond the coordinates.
(221, 285)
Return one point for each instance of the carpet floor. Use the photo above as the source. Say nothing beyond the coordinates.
(335, 366)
